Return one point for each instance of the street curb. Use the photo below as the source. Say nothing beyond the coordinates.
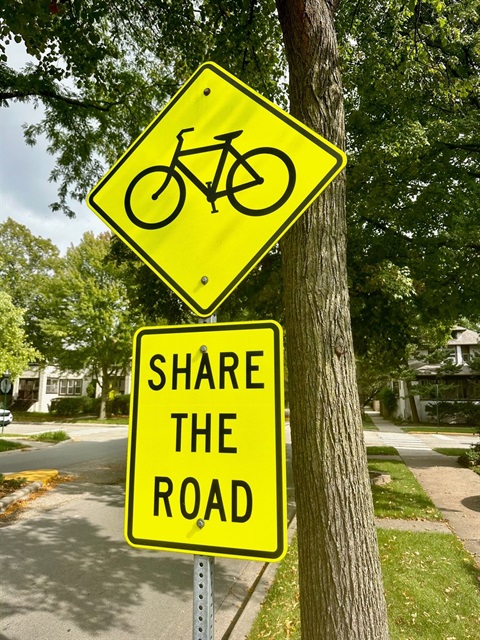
(21, 494)
(416, 526)
(28, 489)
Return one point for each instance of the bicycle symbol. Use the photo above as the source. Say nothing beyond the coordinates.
(154, 182)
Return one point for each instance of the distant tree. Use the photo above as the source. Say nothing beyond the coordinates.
(91, 325)
(15, 351)
(27, 263)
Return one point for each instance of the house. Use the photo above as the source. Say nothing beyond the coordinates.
(38, 385)
(463, 382)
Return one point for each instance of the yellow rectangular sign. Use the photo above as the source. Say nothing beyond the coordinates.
(206, 455)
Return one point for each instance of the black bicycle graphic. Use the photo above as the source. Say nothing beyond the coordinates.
(150, 184)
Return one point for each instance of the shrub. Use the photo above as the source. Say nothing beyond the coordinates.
(388, 401)
(471, 457)
(119, 406)
(444, 411)
(71, 406)
(472, 414)
(74, 406)
(462, 412)
(52, 436)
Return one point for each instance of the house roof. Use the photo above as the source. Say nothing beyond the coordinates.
(462, 336)
(432, 370)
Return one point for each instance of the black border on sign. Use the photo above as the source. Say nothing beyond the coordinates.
(275, 236)
(280, 476)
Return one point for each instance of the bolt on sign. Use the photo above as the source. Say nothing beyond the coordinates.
(206, 459)
(212, 184)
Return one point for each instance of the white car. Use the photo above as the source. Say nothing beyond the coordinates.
(6, 417)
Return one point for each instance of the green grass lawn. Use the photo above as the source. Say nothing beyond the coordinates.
(433, 428)
(368, 423)
(431, 586)
(382, 451)
(450, 451)
(28, 417)
(403, 497)
(123, 420)
(51, 436)
(7, 445)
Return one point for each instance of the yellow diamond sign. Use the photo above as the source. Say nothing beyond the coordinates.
(212, 184)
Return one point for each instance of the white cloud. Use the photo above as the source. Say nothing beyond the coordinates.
(25, 190)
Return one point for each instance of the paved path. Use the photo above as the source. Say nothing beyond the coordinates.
(454, 490)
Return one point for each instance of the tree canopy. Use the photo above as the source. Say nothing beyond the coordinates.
(103, 70)
(27, 263)
(411, 72)
(411, 77)
(15, 351)
(92, 325)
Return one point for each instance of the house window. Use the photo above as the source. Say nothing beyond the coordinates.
(70, 387)
(466, 354)
(28, 389)
(52, 385)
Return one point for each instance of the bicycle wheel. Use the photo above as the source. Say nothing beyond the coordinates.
(155, 197)
(259, 197)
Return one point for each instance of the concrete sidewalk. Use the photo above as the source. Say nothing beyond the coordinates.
(453, 489)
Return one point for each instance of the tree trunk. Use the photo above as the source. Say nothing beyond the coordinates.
(341, 592)
(413, 403)
(105, 392)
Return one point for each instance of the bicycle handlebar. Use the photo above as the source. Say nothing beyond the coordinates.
(182, 131)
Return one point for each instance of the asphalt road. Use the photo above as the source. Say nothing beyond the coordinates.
(66, 456)
(67, 571)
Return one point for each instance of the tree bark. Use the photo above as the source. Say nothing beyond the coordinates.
(341, 592)
(413, 403)
(105, 392)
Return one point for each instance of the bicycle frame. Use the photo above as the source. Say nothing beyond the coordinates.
(210, 189)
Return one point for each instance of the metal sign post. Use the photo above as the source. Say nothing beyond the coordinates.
(5, 386)
(203, 579)
(203, 590)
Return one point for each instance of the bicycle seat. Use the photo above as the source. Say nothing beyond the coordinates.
(228, 136)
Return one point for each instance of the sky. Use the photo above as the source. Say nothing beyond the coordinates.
(25, 190)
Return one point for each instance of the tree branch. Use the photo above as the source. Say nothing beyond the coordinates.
(19, 95)
(467, 146)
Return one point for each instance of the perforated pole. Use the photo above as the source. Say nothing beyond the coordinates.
(203, 590)
(203, 581)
